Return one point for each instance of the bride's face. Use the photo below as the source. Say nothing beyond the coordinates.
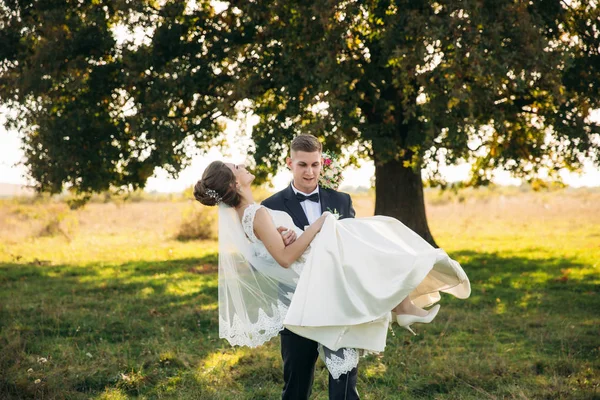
(243, 177)
(306, 168)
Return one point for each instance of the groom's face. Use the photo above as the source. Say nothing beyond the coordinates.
(306, 168)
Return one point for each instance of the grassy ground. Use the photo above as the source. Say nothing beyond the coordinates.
(109, 306)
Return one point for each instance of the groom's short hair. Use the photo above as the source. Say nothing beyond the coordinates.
(307, 143)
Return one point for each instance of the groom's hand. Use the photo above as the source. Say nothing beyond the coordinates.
(289, 236)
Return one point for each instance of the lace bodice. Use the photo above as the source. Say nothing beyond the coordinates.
(279, 218)
(248, 221)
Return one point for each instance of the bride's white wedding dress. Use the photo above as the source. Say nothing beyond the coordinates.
(340, 292)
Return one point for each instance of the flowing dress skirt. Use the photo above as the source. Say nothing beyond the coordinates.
(357, 271)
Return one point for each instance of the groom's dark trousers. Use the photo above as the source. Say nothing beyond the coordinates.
(300, 354)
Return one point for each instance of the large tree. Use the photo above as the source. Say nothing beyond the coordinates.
(495, 83)
(98, 114)
(409, 84)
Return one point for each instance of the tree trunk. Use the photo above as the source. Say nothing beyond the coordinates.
(399, 194)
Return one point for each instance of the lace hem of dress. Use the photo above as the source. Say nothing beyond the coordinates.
(254, 334)
(339, 362)
(265, 328)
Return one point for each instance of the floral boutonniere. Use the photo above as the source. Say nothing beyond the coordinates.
(334, 212)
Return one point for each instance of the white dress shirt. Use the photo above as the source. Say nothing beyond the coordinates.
(311, 209)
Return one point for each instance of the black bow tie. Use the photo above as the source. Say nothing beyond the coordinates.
(313, 197)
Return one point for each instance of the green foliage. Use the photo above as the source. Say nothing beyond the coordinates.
(500, 84)
(492, 83)
(98, 114)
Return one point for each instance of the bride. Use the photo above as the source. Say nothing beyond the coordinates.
(341, 290)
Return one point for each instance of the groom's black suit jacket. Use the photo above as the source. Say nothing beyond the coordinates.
(300, 354)
(331, 200)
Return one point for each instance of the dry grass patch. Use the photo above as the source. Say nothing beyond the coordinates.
(199, 223)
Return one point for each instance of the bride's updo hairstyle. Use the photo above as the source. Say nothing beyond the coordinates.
(217, 185)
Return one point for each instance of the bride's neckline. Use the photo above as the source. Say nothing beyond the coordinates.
(245, 209)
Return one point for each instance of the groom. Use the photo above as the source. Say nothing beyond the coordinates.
(305, 201)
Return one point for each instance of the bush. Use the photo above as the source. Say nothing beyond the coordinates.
(199, 223)
(59, 221)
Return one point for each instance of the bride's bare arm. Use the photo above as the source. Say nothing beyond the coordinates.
(265, 230)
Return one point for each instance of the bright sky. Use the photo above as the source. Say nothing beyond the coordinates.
(11, 155)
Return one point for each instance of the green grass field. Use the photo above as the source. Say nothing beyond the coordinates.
(113, 307)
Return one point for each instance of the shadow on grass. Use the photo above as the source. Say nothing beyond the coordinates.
(511, 278)
(95, 322)
(151, 328)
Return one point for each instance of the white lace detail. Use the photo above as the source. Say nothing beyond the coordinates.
(248, 221)
(261, 251)
(339, 362)
(257, 333)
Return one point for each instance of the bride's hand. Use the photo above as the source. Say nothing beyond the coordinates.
(288, 235)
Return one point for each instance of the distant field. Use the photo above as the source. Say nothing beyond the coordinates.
(11, 190)
(104, 303)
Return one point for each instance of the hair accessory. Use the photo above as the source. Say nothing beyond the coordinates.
(213, 195)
